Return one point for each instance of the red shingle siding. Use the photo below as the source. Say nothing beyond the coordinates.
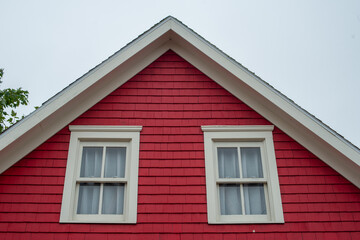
(171, 100)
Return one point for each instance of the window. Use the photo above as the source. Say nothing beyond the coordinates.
(241, 176)
(101, 175)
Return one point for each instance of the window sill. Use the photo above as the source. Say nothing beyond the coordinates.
(246, 222)
(97, 222)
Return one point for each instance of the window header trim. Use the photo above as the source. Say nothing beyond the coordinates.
(253, 128)
(88, 128)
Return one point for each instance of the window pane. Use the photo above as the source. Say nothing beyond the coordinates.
(228, 163)
(230, 199)
(115, 162)
(88, 198)
(251, 162)
(91, 162)
(113, 198)
(254, 198)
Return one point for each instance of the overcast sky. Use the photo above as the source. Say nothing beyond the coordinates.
(308, 50)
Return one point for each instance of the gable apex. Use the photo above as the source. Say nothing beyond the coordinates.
(172, 34)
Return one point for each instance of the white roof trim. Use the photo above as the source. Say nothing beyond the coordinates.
(172, 34)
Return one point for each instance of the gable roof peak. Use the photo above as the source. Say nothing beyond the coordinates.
(170, 33)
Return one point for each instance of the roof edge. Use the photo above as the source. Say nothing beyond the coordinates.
(42, 112)
(268, 86)
(186, 43)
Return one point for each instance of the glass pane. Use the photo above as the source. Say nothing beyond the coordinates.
(230, 199)
(115, 162)
(254, 198)
(88, 202)
(113, 198)
(228, 163)
(91, 162)
(251, 162)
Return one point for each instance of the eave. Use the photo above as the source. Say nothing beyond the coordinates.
(70, 103)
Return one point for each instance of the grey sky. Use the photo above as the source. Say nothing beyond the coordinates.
(308, 50)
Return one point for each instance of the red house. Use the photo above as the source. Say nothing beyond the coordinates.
(170, 138)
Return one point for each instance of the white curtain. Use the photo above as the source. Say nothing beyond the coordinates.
(113, 198)
(88, 202)
(113, 194)
(254, 199)
(91, 162)
(228, 163)
(115, 162)
(230, 199)
(251, 162)
(230, 194)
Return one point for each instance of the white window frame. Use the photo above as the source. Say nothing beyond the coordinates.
(242, 136)
(122, 136)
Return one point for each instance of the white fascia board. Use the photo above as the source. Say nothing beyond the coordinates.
(171, 34)
(81, 95)
(82, 83)
(268, 92)
(332, 149)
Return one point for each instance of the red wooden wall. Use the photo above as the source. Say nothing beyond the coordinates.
(171, 100)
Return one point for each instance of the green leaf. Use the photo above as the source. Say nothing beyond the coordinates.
(13, 113)
(10, 99)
